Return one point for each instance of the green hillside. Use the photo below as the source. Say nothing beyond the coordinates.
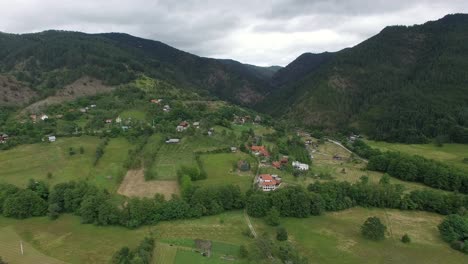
(47, 61)
(405, 84)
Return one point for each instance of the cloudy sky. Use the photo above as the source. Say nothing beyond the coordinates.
(267, 32)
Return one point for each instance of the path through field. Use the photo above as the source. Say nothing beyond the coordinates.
(247, 219)
(134, 185)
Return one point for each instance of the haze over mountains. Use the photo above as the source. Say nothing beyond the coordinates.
(404, 84)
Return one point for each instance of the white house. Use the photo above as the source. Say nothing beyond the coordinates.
(44, 117)
(300, 166)
(166, 108)
(118, 120)
(173, 141)
(196, 124)
(267, 182)
(52, 138)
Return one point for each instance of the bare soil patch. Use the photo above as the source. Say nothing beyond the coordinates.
(85, 86)
(13, 92)
(134, 185)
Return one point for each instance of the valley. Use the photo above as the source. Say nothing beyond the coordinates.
(118, 149)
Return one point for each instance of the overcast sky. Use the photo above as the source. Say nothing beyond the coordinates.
(268, 32)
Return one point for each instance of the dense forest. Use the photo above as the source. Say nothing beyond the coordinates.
(406, 84)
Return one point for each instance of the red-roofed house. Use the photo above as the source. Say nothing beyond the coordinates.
(268, 182)
(260, 151)
(276, 164)
(182, 126)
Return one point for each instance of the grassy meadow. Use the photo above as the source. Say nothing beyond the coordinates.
(335, 238)
(220, 170)
(67, 240)
(331, 238)
(452, 154)
(171, 157)
(35, 161)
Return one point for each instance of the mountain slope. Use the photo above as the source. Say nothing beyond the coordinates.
(49, 60)
(404, 84)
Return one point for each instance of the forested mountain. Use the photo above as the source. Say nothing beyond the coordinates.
(405, 84)
(49, 60)
(299, 68)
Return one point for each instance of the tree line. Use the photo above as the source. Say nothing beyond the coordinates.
(95, 206)
(413, 168)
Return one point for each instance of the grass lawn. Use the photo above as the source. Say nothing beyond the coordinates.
(35, 161)
(171, 157)
(68, 240)
(335, 238)
(219, 169)
(449, 153)
(133, 114)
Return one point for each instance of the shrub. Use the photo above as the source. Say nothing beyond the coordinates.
(406, 239)
(273, 217)
(281, 234)
(373, 229)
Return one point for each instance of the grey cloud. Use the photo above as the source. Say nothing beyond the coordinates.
(252, 31)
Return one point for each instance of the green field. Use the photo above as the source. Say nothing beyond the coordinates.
(171, 157)
(452, 154)
(68, 240)
(347, 170)
(133, 114)
(36, 160)
(219, 169)
(335, 238)
(330, 238)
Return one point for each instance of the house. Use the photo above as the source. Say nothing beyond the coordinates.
(33, 118)
(300, 166)
(233, 149)
(182, 126)
(52, 138)
(210, 132)
(196, 124)
(93, 106)
(243, 165)
(284, 160)
(260, 151)
(83, 110)
(267, 182)
(59, 116)
(44, 117)
(173, 141)
(276, 164)
(166, 108)
(108, 121)
(156, 101)
(3, 138)
(118, 120)
(125, 128)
